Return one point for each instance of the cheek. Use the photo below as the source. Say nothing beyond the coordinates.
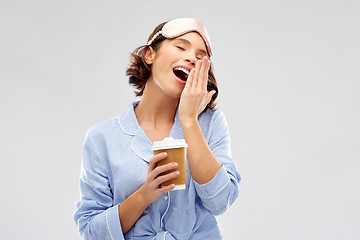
(169, 55)
(163, 65)
(164, 61)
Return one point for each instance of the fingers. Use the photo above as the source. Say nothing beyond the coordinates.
(155, 171)
(206, 74)
(195, 95)
(190, 78)
(162, 169)
(151, 189)
(155, 159)
(196, 74)
(159, 180)
(209, 96)
(164, 178)
(166, 189)
(203, 74)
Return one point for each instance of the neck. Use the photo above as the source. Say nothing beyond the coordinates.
(155, 109)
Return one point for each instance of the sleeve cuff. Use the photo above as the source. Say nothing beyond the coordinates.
(113, 223)
(214, 186)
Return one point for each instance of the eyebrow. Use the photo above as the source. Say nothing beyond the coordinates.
(189, 43)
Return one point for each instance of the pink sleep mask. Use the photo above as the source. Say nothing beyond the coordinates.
(180, 26)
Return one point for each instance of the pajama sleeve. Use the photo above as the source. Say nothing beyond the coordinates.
(220, 192)
(96, 217)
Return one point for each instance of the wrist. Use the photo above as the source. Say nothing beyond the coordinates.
(141, 197)
(189, 123)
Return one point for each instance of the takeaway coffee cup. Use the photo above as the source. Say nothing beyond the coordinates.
(176, 152)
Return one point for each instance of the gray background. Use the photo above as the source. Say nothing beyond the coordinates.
(288, 74)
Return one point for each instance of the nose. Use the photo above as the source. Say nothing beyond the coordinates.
(190, 59)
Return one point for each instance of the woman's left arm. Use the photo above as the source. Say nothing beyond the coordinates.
(216, 181)
(203, 164)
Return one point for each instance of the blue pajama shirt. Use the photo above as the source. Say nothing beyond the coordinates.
(115, 163)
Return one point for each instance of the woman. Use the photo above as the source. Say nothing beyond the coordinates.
(120, 193)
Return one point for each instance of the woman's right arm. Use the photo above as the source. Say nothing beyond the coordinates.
(131, 208)
(96, 216)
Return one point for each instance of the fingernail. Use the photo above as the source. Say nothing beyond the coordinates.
(175, 164)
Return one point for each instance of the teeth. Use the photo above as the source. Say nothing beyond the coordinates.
(182, 69)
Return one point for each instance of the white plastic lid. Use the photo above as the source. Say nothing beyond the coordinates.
(169, 143)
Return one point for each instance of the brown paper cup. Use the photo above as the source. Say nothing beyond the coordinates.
(176, 152)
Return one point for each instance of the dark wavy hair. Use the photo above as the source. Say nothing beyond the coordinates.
(139, 71)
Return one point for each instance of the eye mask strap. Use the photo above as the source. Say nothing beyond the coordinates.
(154, 37)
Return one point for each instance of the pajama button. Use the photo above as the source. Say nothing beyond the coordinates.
(166, 197)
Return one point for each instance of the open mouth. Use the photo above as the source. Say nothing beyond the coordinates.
(181, 73)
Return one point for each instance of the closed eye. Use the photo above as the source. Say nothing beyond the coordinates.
(200, 56)
(181, 48)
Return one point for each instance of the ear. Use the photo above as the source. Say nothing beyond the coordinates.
(149, 55)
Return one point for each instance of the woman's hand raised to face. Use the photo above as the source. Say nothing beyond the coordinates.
(151, 189)
(195, 97)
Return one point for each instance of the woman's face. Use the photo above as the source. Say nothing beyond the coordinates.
(172, 62)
